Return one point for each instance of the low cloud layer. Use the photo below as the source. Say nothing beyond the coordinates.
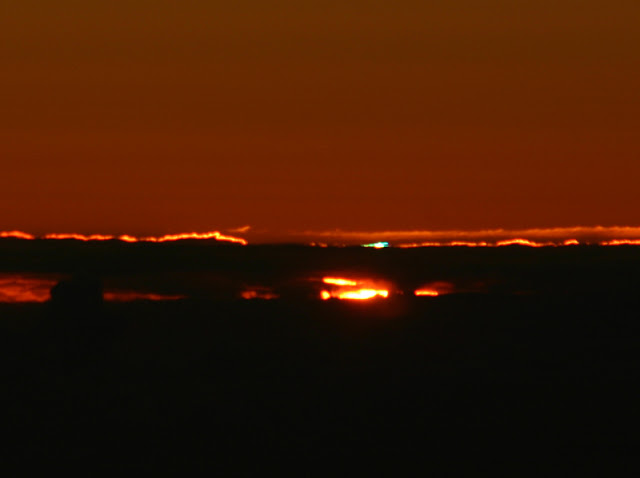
(558, 235)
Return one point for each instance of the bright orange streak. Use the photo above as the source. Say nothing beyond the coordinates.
(362, 294)
(16, 235)
(79, 237)
(426, 293)
(508, 242)
(127, 238)
(346, 289)
(571, 242)
(196, 235)
(130, 296)
(339, 281)
(519, 242)
(621, 242)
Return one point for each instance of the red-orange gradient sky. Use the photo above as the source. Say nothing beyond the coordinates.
(152, 117)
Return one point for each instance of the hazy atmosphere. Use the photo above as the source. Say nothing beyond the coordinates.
(319, 238)
(156, 117)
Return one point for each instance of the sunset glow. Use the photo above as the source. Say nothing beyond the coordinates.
(16, 235)
(18, 289)
(496, 237)
(218, 236)
(503, 243)
(196, 235)
(130, 296)
(127, 238)
(521, 242)
(24, 289)
(338, 281)
(434, 289)
(622, 242)
(78, 237)
(349, 289)
(377, 245)
(362, 294)
(258, 293)
(490, 238)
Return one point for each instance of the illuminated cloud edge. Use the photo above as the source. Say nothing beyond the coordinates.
(614, 235)
(216, 235)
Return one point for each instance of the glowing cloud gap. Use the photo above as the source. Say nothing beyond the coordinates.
(349, 289)
(362, 294)
(426, 293)
(338, 281)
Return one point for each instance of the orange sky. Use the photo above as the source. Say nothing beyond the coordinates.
(152, 117)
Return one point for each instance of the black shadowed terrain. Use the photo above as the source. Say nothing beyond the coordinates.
(528, 367)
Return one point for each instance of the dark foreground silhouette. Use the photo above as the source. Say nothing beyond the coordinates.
(457, 384)
(79, 297)
(498, 382)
